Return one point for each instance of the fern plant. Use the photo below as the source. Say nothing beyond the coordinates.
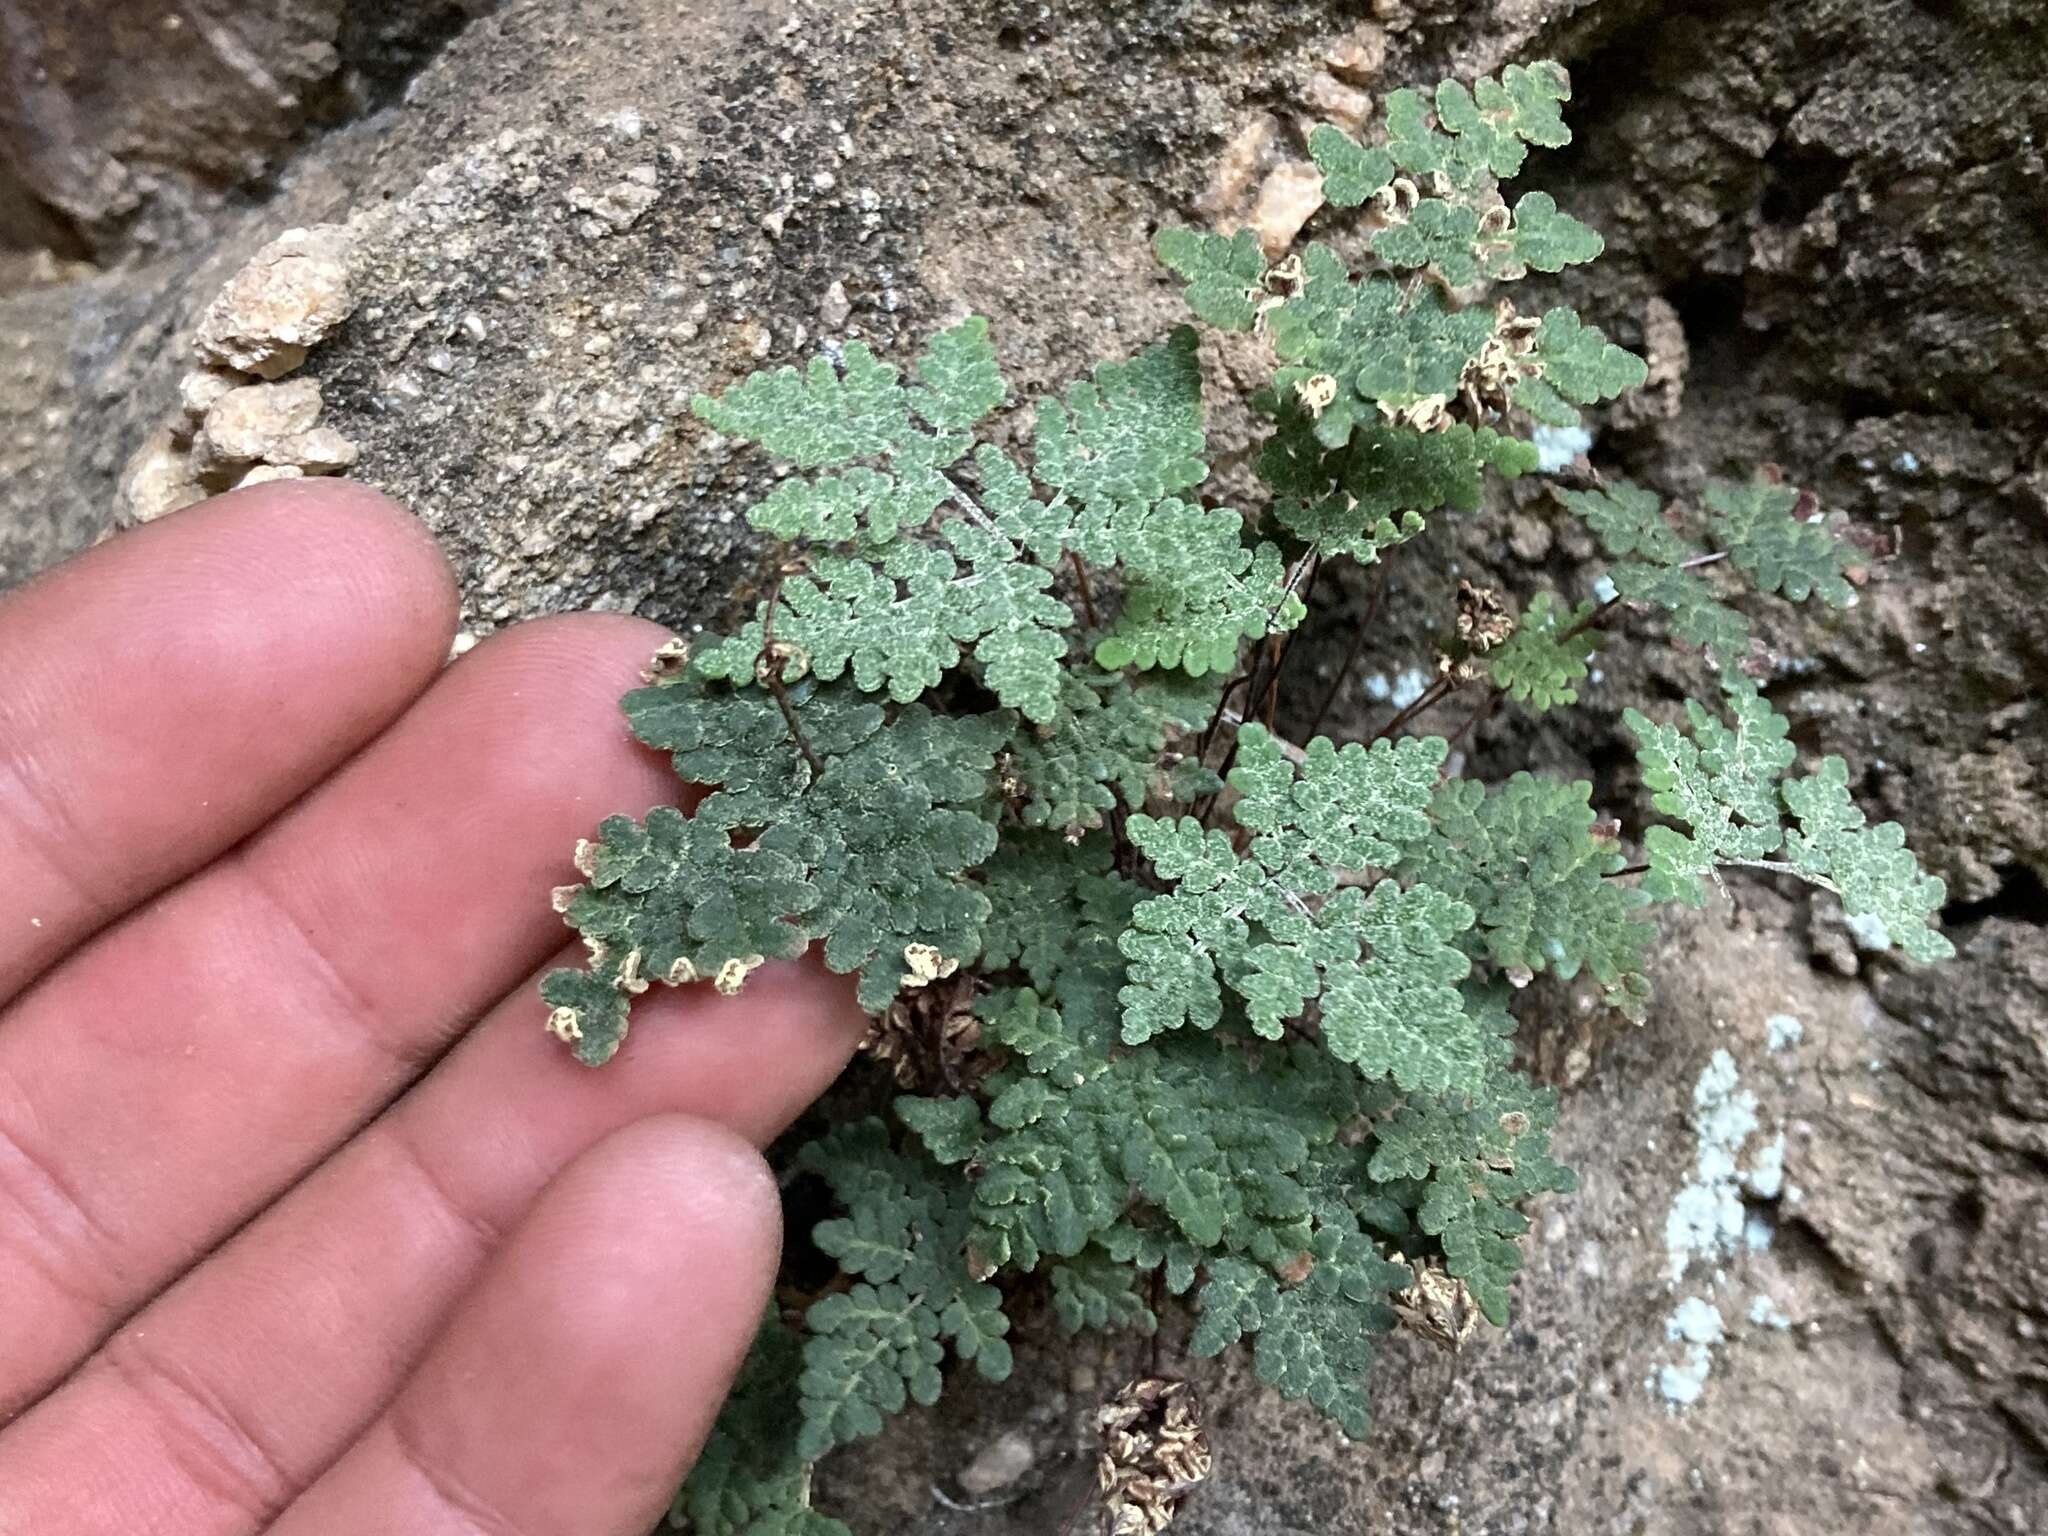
(1222, 1017)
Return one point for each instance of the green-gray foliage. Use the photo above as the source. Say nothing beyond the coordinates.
(1274, 929)
(870, 856)
(750, 1479)
(1225, 274)
(1478, 1156)
(878, 1344)
(1351, 174)
(1723, 781)
(1190, 1017)
(1102, 747)
(1542, 661)
(1529, 859)
(1754, 521)
(1752, 527)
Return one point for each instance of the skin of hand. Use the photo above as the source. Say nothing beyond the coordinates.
(306, 1224)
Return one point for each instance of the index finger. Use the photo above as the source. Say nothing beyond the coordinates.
(166, 694)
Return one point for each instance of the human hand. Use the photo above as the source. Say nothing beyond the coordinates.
(282, 1236)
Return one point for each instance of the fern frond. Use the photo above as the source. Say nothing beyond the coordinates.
(1483, 132)
(1129, 434)
(870, 857)
(749, 1479)
(1102, 747)
(1577, 365)
(1629, 520)
(1225, 274)
(1478, 1156)
(1526, 857)
(876, 1347)
(1724, 783)
(1539, 663)
(1267, 928)
(1869, 867)
(1754, 522)
(1314, 1340)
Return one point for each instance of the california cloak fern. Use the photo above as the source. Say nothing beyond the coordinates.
(1239, 1022)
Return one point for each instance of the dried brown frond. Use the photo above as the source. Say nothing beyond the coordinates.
(930, 1038)
(1154, 1454)
(1483, 617)
(1438, 1306)
(1506, 358)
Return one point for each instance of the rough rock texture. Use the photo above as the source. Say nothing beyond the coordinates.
(125, 125)
(1824, 225)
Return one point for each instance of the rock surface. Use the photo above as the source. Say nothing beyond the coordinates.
(580, 215)
(128, 126)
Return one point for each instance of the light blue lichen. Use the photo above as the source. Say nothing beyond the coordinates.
(1782, 1031)
(1696, 1321)
(1765, 1176)
(1696, 1327)
(1705, 1219)
(1766, 1313)
(1558, 446)
(1708, 1223)
(1401, 690)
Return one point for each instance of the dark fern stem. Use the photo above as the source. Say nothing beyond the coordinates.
(768, 668)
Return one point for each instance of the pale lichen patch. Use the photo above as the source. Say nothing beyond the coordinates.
(1708, 1224)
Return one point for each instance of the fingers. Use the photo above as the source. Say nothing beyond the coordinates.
(571, 1391)
(163, 696)
(242, 1383)
(165, 1082)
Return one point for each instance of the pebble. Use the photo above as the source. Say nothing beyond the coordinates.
(621, 204)
(158, 479)
(836, 308)
(999, 1464)
(1238, 164)
(245, 425)
(289, 296)
(322, 451)
(1336, 102)
(1288, 199)
(1360, 56)
(201, 387)
(263, 474)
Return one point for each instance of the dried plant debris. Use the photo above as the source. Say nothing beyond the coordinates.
(1438, 1307)
(1154, 1454)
